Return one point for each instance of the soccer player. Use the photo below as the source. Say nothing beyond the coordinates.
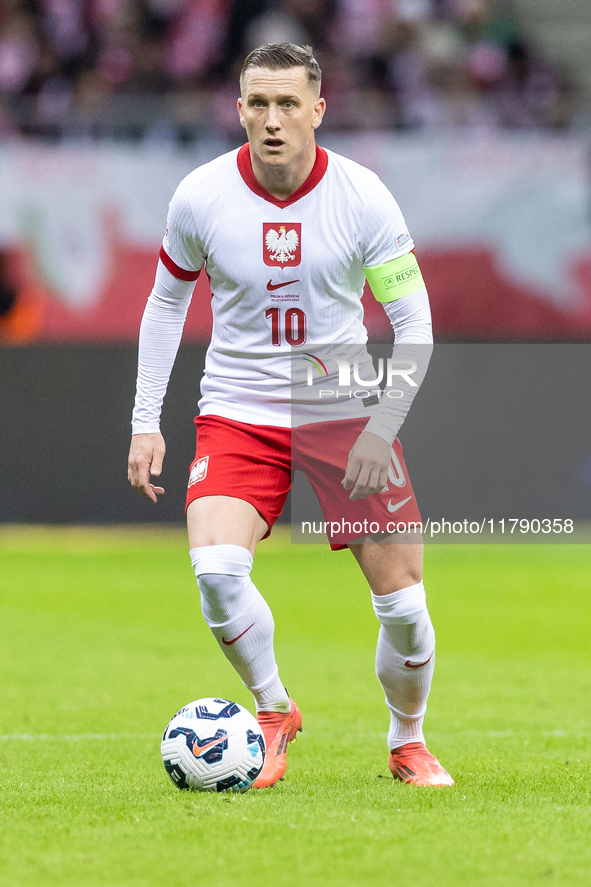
(281, 216)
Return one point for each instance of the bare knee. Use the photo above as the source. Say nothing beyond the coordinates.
(223, 520)
(390, 567)
(397, 580)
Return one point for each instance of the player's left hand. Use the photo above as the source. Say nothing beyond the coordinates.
(146, 455)
(367, 466)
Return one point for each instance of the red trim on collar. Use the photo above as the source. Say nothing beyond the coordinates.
(245, 169)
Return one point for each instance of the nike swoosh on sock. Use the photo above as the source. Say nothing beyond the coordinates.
(410, 664)
(237, 638)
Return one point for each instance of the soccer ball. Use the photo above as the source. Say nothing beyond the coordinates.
(213, 745)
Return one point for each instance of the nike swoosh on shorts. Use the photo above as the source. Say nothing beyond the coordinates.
(398, 505)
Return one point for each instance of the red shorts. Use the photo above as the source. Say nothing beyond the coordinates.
(255, 463)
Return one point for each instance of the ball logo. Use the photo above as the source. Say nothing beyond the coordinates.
(210, 748)
(282, 244)
(198, 470)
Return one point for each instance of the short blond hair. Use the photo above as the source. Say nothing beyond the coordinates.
(278, 56)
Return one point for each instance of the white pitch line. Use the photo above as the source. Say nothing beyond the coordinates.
(103, 737)
(518, 734)
(80, 737)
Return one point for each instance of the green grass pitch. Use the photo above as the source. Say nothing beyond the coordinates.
(102, 640)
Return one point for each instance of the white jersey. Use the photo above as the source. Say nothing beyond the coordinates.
(283, 273)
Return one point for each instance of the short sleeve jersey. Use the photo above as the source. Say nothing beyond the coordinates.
(283, 273)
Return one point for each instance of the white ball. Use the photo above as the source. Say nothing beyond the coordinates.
(213, 745)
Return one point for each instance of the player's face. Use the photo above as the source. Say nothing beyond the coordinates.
(280, 111)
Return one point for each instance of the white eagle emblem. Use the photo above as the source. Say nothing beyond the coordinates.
(282, 245)
(199, 470)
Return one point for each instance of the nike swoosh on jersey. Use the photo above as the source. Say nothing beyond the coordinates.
(410, 664)
(398, 505)
(199, 750)
(277, 286)
(237, 638)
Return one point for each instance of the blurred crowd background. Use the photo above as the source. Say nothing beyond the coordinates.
(167, 70)
(106, 104)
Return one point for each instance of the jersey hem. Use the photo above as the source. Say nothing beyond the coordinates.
(228, 411)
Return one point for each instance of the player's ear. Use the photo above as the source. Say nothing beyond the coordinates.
(319, 109)
(239, 105)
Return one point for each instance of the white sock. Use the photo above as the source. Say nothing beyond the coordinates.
(240, 620)
(405, 659)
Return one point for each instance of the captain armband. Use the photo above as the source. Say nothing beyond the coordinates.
(394, 279)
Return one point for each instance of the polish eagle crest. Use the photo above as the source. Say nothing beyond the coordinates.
(281, 244)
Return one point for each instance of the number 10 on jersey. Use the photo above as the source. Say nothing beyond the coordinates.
(293, 327)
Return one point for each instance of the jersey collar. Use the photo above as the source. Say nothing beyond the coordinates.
(318, 170)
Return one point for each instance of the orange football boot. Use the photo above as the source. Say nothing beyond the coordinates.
(413, 764)
(279, 730)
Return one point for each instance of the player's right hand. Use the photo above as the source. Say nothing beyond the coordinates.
(146, 455)
(367, 466)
